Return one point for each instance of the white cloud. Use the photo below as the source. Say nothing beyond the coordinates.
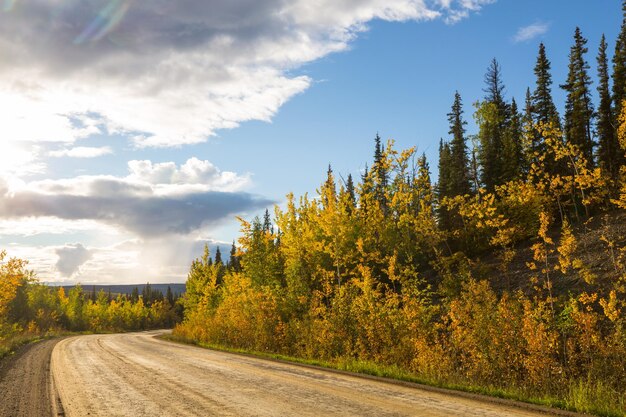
(154, 200)
(194, 174)
(457, 12)
(71, 257)
(530, 32)
(72, 69)
(82, 152)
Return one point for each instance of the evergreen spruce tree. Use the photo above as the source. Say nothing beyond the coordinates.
(493, 115)
(347, 196)
(531, 143)
(578, 107)
(458, 169)
(610, 157)
(444, 188)
(267, 221)
(544, 110)
(494, 87)
(329, 189)
(233, 262)
(619, 66)
(350, 190)
(218, 256)
(512, 157)
(489, 144)
(543, 106)
(381, 175)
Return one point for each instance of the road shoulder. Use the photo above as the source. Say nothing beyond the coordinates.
(26, 387)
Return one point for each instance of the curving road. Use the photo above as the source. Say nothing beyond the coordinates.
(140, 375)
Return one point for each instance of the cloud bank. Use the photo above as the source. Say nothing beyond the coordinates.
(153, 200)
(170, 73)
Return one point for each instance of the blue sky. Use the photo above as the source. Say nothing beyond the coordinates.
(136, 132)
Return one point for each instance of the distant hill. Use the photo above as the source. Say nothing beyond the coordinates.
(128, 288)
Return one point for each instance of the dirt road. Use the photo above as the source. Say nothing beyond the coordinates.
(139, 375)
(25, 385)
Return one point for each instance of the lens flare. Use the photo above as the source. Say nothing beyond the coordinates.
(8, 5)
(107, 19)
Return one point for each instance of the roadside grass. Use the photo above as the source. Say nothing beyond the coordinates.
(581, 396)
(596, 398)
(9, 345)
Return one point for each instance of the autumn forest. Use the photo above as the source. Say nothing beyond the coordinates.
(484, 278)
(505, 275)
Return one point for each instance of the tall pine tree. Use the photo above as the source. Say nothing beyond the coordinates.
(233, 261)
(610, 157)
(531, 143)
(494, 87)
(619, 66)
(493, 118)
(350, 191)
(543, 106)
(544, 111)
(444, 187)
(512, 157)
(381, 175)
(578, 106)
(459, 176)
(218, 256)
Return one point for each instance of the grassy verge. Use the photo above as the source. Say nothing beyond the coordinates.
(581, 397)
(10, 345)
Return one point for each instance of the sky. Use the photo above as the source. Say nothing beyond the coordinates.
(133, 133)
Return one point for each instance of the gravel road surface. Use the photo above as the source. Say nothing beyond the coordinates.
(139, 375)
(25, 385)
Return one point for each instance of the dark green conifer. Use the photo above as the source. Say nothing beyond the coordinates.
(512, 157)
(543, 106)
(494, 86)
(495, 113)
(218, 256)
(619, 66)
(233, 262)
(267, 221)
(381, 176)
(350, 190)
(578, 107)
(458, 169)
(610, 157)
(443, 188)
